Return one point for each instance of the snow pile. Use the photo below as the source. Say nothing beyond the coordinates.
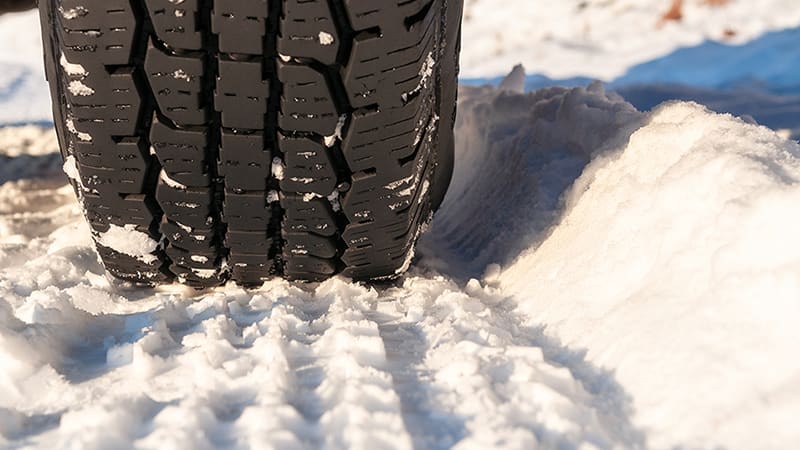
(517, 155)
(677, 263)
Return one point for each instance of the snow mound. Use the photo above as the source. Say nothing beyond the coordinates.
(517, 154)
(677, 263)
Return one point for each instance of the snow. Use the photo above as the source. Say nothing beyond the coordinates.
(78, 88)
(597, 277)
(129, 241)
(683, 242)
(603, 38)
(652, 305)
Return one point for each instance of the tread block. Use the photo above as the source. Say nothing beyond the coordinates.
(312, 215)
(307, 104)
(188, 206)
(241, 94)
(183, 153)
(177, 83)
(110, 167)
(245, 162)
(103, 103)
(309, 168)
(200, 239)
(309, 268)
(308, 31)
(251, 269)
(194, 260)
(387, 67)
(97, 30)
(299, 244)
(128, 268)
(176, 22)
(248, 242)
(241, 25)
(104, 210)
(247, 211)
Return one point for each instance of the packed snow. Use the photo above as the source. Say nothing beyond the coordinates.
(599, 276)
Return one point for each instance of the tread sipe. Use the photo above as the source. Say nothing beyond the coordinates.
(244, 139)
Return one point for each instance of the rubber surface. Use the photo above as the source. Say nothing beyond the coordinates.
(255, 138)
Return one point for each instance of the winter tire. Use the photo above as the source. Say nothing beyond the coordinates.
(210, 140)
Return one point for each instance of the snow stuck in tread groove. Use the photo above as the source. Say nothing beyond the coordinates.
(129, 241)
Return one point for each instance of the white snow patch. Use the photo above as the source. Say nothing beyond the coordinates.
(170, 182)
(73, 13)
(72, 69)
(71, 168)
(129, 241)
(181, 74)
(325, 38)
(86, 137)
(278, 168)
(425, 73)
(684, 242)
(307, 197)
(330, 140)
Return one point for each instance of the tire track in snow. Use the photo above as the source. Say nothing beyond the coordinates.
(476, 377)
(354, 398)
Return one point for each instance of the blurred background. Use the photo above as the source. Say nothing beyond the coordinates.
(738, 56)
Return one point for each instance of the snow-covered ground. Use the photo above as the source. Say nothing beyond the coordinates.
(598, 277)
(604, 38)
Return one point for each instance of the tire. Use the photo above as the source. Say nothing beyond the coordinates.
(211, 140)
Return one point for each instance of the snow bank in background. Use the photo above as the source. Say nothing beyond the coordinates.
(677, 263)
(24, 95)
(602, 38)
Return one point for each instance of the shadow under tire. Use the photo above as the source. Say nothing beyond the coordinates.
(216, 140)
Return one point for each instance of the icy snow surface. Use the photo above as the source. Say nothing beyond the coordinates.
(640, 290)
